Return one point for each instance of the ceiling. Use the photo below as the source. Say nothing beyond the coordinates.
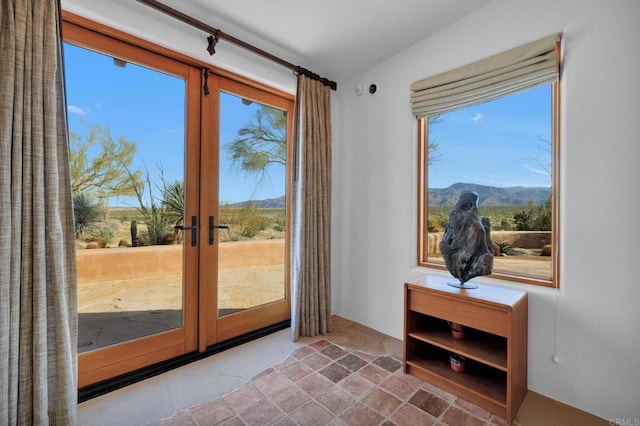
(335, 38)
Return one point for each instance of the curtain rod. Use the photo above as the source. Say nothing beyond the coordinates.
(216, 34)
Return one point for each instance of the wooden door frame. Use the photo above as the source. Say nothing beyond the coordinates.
(218, 329)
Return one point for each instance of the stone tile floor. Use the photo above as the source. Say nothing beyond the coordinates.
(247, 380)
(325, 384)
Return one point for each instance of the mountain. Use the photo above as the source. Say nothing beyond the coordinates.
(270, 203)
(489, 195)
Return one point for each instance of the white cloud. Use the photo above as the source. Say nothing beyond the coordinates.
(540, 171)
(76, 110)
(477, 117)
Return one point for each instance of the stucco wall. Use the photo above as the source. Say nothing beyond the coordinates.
(128, 262)
(375, 187)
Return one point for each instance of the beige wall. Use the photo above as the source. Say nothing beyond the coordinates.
(127, 262)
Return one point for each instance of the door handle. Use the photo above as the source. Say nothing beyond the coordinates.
(212, 226)
(193, 228)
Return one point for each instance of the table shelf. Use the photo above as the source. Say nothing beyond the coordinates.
(494, 346)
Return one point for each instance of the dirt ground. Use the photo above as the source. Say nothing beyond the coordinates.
(527, 264)
(239, 288)
(116, 311)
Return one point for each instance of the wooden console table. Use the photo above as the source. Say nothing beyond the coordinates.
(494, 346)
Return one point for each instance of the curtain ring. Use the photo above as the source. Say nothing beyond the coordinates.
(213, 40)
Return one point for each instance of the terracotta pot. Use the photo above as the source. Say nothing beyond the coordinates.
(457, 363)
(457, 330)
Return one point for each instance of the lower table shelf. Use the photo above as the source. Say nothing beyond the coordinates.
(477, 378)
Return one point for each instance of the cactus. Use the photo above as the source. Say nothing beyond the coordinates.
(134, 233)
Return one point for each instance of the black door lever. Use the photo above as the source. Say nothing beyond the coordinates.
(212, 227)
(193, 228)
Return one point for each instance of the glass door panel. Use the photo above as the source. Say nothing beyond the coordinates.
(245, 267)
(127, 160)
(252, 189)
(130, 144)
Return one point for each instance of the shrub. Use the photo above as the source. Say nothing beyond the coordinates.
(86, 212)
(247, 222)
(157, 227)
(279, 223)
(153, 212)
(251, 220)
(231, 236)
(173, 202)
(535, 218)
(503, 246)
(505, 225)
(436, 222)
(106, 232)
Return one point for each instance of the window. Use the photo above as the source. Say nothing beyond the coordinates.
(505, 148)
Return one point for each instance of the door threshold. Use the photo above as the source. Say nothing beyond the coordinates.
(97, 389)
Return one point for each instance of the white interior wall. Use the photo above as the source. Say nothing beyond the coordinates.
(591, 322)
(375, 169)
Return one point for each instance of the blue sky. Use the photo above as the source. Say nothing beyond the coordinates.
(495, 143)
(234, 185)
(148, 107)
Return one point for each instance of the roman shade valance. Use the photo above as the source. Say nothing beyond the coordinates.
(521, 68)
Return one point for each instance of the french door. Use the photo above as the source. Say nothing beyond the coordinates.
(189, 246)
(244, 182)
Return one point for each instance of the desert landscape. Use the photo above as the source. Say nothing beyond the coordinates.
(126, 293)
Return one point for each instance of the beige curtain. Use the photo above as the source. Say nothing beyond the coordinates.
(311, 224)
(38, 319)
(524, 67)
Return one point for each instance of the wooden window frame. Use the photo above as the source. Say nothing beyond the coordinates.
(422, 240)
